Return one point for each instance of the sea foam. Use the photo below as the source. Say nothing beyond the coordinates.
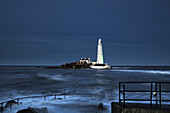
(146, 71)
(52, 77)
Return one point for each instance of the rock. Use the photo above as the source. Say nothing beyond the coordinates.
(59, 98)
(100, 106)
(26, 111)
(34, 110)
(1, 108)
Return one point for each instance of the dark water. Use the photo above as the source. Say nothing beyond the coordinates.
(85, 88)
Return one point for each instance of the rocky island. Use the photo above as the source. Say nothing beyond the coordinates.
(82, 63)
(86, 62)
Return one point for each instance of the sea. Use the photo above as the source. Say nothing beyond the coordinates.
(77, 90)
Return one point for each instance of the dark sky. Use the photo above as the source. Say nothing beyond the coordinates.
(134, 32)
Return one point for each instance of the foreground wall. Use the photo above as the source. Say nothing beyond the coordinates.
(118, 109)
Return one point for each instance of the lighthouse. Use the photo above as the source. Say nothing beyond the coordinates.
(100, 60)
(100, 52)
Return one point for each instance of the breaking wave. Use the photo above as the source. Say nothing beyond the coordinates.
(52, 77)
(146, 71)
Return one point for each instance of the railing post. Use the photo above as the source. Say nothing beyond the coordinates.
(151, 95)
(119, 93)
(160, 94)
(10, 105)
(44, 98)
(156, 93)
(65, 96)
(17, 100)
(55, 97)
(123, 95)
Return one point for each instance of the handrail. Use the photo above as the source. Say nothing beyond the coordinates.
(155, 87)
(143, 82)
(17, 99)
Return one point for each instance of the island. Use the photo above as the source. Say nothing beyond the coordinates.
(82, 63)
(86, 62)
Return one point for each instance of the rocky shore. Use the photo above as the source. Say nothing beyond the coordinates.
(72, 65)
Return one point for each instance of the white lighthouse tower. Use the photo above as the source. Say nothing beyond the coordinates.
(100, 53)
(100, 61)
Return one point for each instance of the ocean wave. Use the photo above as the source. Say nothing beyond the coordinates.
(52, 77)
(146, 71)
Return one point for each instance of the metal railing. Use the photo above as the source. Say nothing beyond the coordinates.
(155, 92)
(18, 99)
